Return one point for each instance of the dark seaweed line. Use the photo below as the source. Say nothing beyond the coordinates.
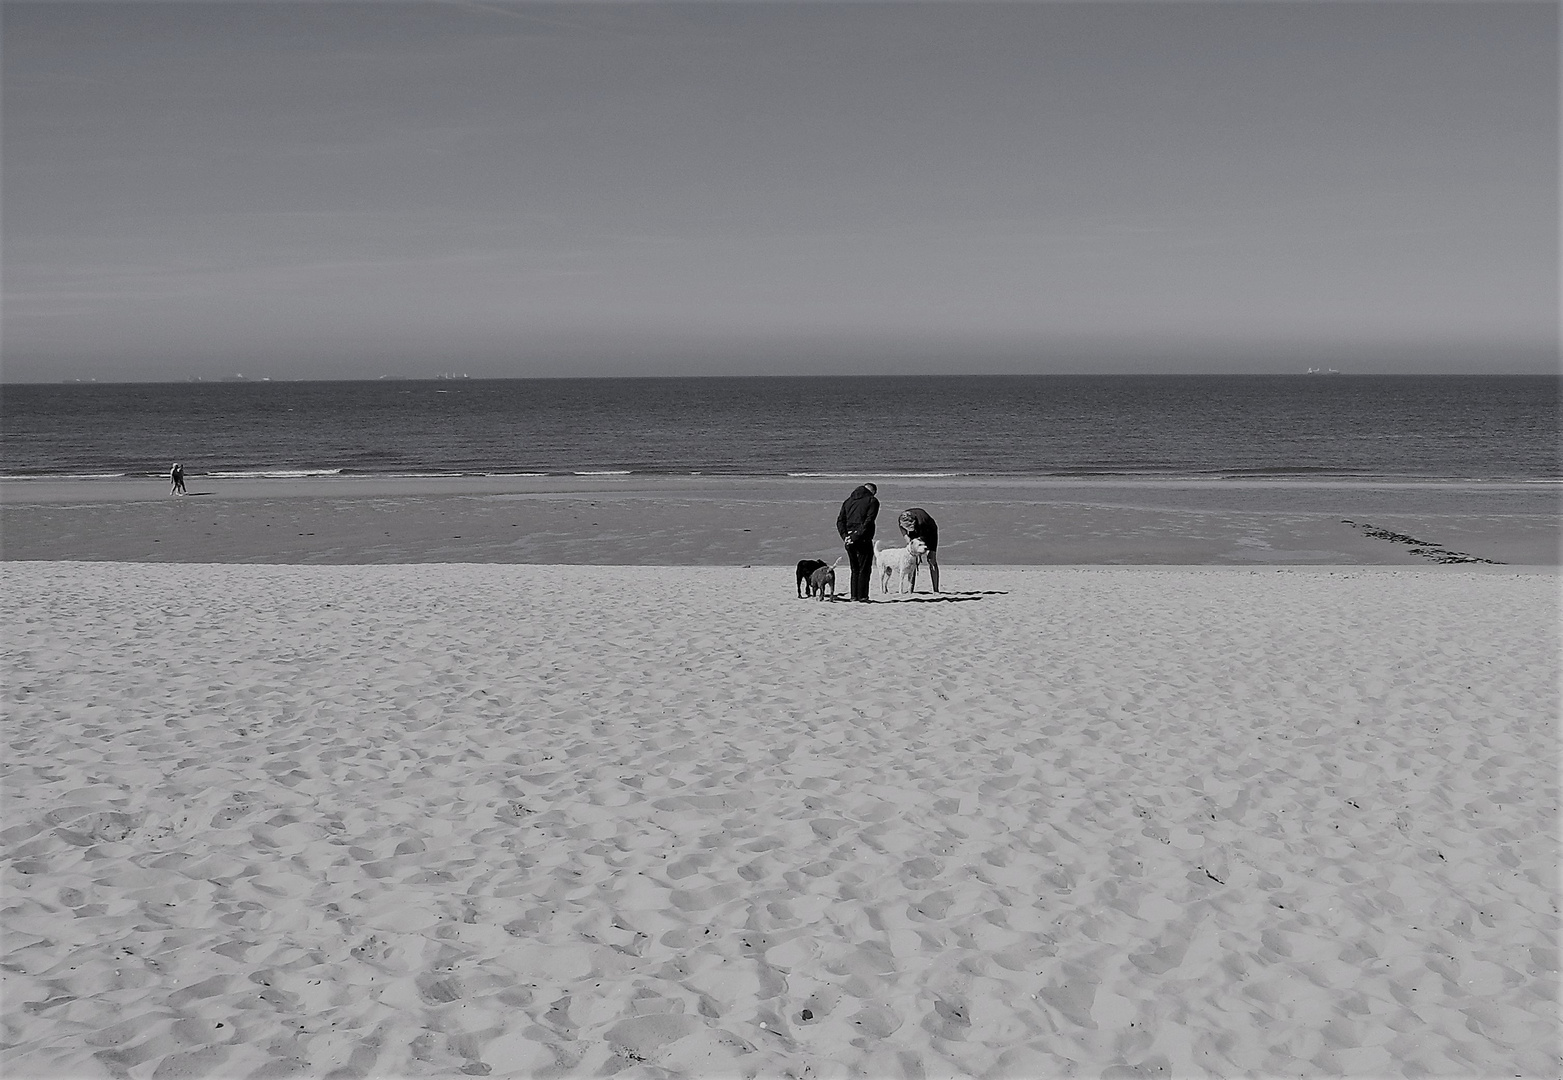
(1419, 547)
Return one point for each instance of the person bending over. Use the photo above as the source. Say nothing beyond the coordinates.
(915, 524)
(855, 523)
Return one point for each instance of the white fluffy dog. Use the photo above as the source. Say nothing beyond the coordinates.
(901, 563)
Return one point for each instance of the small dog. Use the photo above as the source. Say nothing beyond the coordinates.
(899, 562)
(823, 577)
(805, 569)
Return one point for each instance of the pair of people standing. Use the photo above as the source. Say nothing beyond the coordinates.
(855, 524)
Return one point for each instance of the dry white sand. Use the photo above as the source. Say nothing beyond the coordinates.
(579, 821)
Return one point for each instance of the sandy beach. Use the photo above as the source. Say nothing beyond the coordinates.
(565, 820)
(414, 417)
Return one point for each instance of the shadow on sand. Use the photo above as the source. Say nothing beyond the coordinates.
(943, 597)
(929, 598)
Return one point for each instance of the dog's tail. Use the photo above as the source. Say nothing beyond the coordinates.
(837, 562)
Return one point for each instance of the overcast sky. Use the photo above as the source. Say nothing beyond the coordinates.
(339, 190)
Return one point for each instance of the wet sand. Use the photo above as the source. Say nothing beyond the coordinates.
(716, 521)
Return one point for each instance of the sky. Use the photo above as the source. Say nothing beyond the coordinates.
(351, 190)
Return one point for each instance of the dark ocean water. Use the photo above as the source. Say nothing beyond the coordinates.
(1334, 426)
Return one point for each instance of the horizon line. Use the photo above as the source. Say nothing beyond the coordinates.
(257, 380)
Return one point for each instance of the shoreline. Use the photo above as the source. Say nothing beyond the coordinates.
(718, 520)
(122, 486)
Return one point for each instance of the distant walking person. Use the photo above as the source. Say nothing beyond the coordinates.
(915, 524)
(855, 523)
(176, 479)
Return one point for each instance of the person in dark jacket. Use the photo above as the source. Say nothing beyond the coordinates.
(916, 524)
(855, 523)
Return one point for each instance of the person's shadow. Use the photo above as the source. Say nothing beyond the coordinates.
(934, 598)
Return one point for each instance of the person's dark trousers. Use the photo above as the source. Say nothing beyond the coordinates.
(860, 556)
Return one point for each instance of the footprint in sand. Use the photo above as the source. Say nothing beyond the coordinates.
(99, 827)
(435, 990)
(949, 1020)
(372, 950)
(934, 905)
(880, 1021)
(644, 1037)
(1072, 996)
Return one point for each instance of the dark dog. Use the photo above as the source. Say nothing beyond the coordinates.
(806, 569)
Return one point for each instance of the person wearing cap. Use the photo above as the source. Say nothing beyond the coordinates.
(917, 524)
(855, 524)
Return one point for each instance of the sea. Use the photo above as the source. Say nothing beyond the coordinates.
(1350, 427)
